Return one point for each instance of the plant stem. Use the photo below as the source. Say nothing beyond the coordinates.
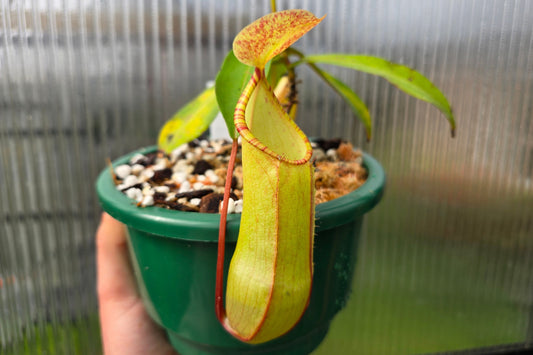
(290, 69)
(297, 53)
(273, 5)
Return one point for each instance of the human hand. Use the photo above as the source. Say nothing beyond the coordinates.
(125, 325)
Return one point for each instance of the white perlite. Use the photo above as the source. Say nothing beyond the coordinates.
(168, 180)
(147, 200)
(135, 194)
(122, 171)
(231, 205)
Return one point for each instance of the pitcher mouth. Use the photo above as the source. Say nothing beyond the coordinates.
(256, 143)
(244, 130)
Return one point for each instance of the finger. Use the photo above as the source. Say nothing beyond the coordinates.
(115, 283)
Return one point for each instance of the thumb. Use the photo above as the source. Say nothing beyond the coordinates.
(115, 281)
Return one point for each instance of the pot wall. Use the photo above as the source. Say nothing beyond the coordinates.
(178, 282)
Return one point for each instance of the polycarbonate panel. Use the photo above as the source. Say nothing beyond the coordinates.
(446, 259)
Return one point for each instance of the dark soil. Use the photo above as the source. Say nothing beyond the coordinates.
(192, 177)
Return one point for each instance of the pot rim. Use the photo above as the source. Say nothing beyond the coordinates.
(165, 222)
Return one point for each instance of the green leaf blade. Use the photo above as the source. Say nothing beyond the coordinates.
(406, 79)
(189, 122)
(229, 84)
(356, 104)
(276, 70)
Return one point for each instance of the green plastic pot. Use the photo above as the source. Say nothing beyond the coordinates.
(174, 258)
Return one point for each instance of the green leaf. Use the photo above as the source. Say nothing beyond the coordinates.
(229, 84)
(356, 104)
(189, 122)
(278, 68)
(405, 78)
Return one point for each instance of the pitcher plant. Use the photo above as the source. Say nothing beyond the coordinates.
(271, 272)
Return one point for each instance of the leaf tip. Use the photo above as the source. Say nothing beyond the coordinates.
(451, 119)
